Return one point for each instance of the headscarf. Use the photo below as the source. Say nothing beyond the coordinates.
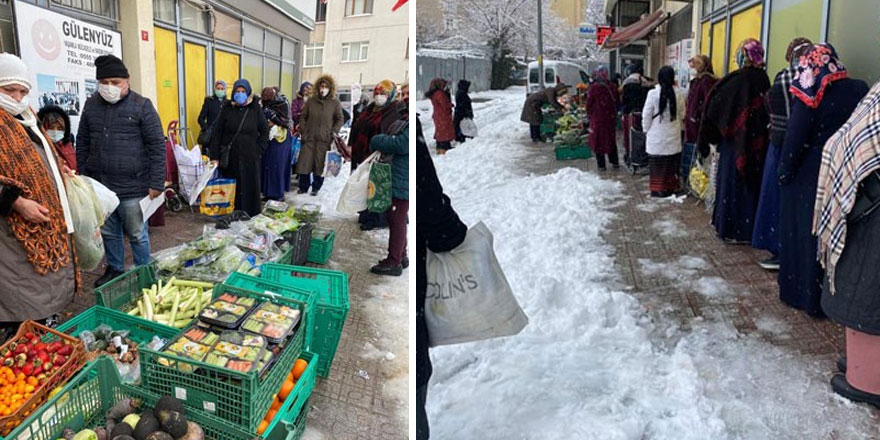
(220, 81)
(796, 45)
(815, 71)
(302, 88)
(750, 53)
(386, 87)
(666, 80)
(436, 84)
(268, 94)
(601, 74)
(702, 64)
(850, 156)
(243, 83)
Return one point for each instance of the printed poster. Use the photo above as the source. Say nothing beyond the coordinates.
(60, 53)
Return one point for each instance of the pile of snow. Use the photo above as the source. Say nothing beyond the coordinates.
(592, 364)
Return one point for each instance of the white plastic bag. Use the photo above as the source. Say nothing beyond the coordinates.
(468, 296)
(469, 128)
(189, 170)
(353, 198)
(87, 214)
(108, 200)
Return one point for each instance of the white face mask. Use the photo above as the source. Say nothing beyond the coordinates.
(324, 91)
(692, 71)
(381, 99)
(110, 93)
(12, 106)
(55, 135)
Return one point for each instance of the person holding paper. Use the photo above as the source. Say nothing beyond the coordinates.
(120, 144)
(38, 276)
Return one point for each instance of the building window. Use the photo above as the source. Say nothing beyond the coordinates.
(358, 7)
(321, 11)
(227, 28)
(271, 73)
(252, 70)
(273, 44)
(95, 7)
(355, 51)
(288, 52)
(194, 18)
(163, 10)
(253, 36)
(314, 55)
(847, 22)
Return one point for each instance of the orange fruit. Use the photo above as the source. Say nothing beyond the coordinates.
(275, 403)
(299, 368)
(262, 428)
(270, 415)
(286, 388)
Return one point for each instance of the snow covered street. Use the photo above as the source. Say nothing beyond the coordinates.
(642, 324)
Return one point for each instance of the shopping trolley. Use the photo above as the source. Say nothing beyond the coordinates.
(183, 181)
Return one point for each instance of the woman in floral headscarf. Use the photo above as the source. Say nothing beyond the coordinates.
(603, 100)
(823, 100)
(736, 120)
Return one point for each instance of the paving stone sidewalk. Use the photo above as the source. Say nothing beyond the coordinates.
(343, 406)
(670, 235)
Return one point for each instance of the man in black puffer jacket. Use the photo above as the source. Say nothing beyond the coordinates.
(120, 143)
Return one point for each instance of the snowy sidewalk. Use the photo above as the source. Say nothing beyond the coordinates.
(643, 325)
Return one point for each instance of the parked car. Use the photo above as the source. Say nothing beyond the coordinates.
(566, 72)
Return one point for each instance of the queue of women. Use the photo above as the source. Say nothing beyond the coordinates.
(796, 169)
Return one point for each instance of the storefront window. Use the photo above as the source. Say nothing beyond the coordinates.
(289, 50)
(271, 72)
(253, 36)
(852, 29)
(746, 24)
(719, 32)
(227, 28)
(790, 19)
(252, 70)
(97, 7)
(194, 18)
(163, 10)
(705, 37)
(287, 72)
(273, 44)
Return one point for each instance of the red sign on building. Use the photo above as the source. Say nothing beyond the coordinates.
(603, 32)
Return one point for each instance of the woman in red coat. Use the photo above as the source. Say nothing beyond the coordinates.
(603, 100)
(444, 132)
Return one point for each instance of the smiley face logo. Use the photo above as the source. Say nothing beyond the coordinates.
(46, 40)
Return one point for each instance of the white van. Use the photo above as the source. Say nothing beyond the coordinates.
(565, 72)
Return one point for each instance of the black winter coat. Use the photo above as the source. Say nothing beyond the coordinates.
(463, 108)
(856, 303)
(122, 145)
(246, 153)
(210, 111)
(437, 228)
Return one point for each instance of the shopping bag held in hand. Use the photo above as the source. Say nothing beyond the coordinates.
(468, 297)
(107, 199)
(353, 198)
(88, 216)
(469, 128)
(379, 187)
(295, 146)
(218, 197)
(332, 164)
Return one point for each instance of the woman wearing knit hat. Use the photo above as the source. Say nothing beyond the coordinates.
(376, 118)
(211, 111)
(296, 107)
(320, 120)
(238, 145)
(38, 276)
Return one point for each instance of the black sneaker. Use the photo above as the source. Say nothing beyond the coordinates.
(841, 364)
(302, 191)
(109, 274)
(404, 263)
(842, 387)
(771, 263)
(314, 193)
(384, 268)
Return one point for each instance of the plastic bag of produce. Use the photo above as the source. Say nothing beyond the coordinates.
(469, 128)
(468, 296)
(88, 216)
(108, 200)
(353, 198)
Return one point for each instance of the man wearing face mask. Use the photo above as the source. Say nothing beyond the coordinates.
(120, 143)
(320, 120)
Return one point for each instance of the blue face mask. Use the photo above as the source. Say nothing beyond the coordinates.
(240, 97)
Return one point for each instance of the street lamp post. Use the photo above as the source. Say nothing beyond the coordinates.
(540, 46)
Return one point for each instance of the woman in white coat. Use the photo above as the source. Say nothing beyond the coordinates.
(662, 119)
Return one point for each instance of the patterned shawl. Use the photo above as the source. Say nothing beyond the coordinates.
(849, 157)
(815, 71)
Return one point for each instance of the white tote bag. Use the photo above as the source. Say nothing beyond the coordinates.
(353, 198)
(468, 297)
(108, 200)
(469, 128)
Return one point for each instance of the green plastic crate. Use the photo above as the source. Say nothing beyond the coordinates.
(296, 406)
(140, 330)
(569, 152)
(85, 399)
(122, 292)
(239, 398)
(321, 248)
(331, 308)
(263, 285)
